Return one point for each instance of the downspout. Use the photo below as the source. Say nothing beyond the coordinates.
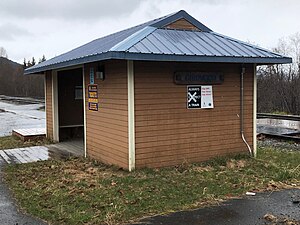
(242, 111)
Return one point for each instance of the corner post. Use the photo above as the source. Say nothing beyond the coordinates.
(55, 106)
(254, 110)
(131, 117)
(45, 99)
(84, 111)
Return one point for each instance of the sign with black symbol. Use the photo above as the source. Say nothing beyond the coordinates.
(194, 97)
(199, 97)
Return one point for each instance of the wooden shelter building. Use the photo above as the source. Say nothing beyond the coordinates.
(158, 94)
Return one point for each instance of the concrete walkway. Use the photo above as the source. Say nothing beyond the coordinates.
(25, 155)
(9, 214)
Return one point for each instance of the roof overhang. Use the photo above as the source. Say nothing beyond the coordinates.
(160, 57)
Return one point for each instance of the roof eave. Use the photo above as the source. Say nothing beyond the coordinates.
(160, 57)
(198, 58)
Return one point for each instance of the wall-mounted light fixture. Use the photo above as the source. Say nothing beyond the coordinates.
(100, 74)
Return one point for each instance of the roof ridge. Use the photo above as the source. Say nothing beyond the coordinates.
(133, 39)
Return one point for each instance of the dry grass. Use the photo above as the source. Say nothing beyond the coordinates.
(10, 142)
(79, 191)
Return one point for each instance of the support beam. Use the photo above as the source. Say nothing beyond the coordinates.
(84, 111)
(254, 111)
(131, 117)
(55, 106)
(45, 99)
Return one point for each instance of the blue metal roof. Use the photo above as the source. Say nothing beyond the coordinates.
(151, 41)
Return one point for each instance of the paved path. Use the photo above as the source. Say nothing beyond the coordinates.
(247, 211)
(9, 214)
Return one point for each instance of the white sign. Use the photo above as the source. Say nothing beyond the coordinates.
(199, 97)
(207, 97)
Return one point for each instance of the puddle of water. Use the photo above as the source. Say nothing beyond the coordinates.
(14, 116)
(276, 126)
(289, 124)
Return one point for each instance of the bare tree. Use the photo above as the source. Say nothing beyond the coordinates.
(279, 85)
(3, 52)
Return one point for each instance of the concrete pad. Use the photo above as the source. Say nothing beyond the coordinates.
(25, 155)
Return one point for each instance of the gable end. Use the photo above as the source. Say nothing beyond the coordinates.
(182, 24)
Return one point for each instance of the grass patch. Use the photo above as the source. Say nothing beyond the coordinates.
(9, 142)
(79, 191)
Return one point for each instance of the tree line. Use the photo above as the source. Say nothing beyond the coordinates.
(13, 82)
(32, 62)
(278, 86)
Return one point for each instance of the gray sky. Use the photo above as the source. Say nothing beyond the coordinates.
(37, 27)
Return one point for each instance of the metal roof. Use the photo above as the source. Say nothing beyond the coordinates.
(151, 41)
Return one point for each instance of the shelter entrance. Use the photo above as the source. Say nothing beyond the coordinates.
(70, 105)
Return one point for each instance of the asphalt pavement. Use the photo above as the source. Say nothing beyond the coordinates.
(280, 207)
(9, 213)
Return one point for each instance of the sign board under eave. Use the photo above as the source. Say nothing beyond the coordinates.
(198, 78)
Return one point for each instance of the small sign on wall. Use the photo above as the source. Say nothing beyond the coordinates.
(93, 97)
(205, 78)
(93, 106)
(199, 97)
(206, 97)
(92, 76)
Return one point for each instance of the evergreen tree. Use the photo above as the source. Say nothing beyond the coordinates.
(24, 64)
(33, 61)
(29, 64)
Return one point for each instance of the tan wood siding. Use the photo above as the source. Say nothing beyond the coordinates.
(107, 129)
(167, 133)
(181, 24)
(48, 98)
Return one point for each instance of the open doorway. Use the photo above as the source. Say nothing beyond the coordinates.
(70, 106)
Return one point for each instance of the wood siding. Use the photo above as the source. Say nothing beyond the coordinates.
(107, 129)
(48, 109)
(167, 133)
(182, 24)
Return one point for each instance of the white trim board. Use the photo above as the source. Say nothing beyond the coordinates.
(131, 117)
(84, 111)
(254, 111)
(55, 107)
(45, 98)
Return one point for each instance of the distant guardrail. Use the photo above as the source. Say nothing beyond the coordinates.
(276, 116)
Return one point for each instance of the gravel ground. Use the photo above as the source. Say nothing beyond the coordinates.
(279, 144)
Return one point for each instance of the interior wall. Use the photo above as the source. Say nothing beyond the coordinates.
(167, 133)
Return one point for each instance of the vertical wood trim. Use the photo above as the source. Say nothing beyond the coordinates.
(55, 106)
(84, 112)
(254, 110)
(45, 99)
(131, 118)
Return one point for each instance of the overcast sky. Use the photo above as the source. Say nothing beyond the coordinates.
(37, 27)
